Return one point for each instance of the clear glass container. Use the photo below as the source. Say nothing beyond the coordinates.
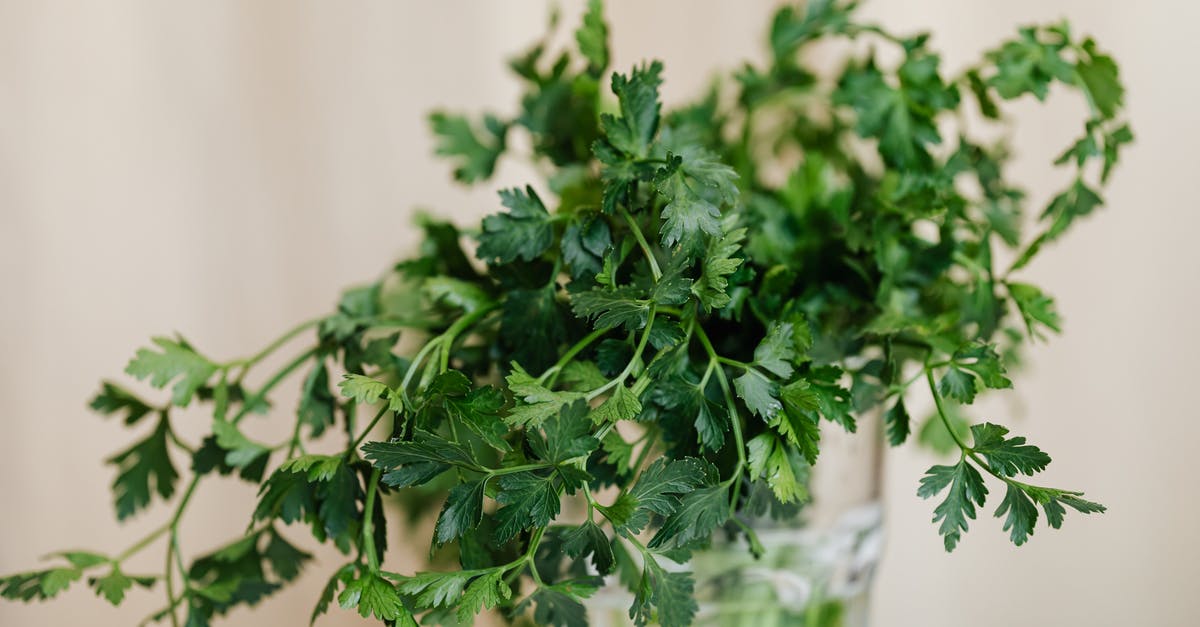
(817, 568)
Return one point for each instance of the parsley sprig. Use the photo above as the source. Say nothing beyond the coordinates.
(647, 345)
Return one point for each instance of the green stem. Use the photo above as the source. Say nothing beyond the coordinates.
(368, 520)
(173, 548)
(141, 544)
(246, 364)
(275, 380)
(641, 240)
(735, 418)
(633, 361)
(168, 571)
(941, 410)
(365, 432)
(497, 472)
(552, 372)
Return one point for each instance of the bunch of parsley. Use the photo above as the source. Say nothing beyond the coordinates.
(657, 338)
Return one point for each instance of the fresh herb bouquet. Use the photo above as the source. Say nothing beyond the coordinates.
(656, 336)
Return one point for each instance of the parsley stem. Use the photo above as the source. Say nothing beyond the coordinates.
(246, 364)
(173, 549)
(734, 418)
(141, 544)
(552, 372)
(275, 380)
(365, 432)
(368, 536)
(170, 585)
(937, 401)
(633, 361)
(641, 240)
(508, 470)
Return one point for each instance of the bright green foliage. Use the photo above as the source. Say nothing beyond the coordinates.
(770, 458)
(143, 468)
(474, 151)
(719, 262)
(590, 539)
(112, 399)
(115, 584)
(524, 232)
(624, 306)
(374, 596)
(663, 597)
(966, 492)
(175, 361)
(657, 339)
(1007, 456)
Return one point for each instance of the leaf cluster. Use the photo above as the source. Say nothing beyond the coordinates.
(643, 350)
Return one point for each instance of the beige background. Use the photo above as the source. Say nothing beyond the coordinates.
(223, 168)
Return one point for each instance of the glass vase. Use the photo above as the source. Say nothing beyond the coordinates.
(817, 567)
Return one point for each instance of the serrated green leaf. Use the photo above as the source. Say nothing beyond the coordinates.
(637, 96)
(175, 361)
(624, 306)
(719, 263)
(622, 404)
(1007, 456)
(657, 491)
(142, 468)
(776, 350)
(240, 451)
(112, 399)
(525, 232)
(527, 500)
(1022, 515)
(592, 37)
(898, 423)
(539, 403)
(768, 457)
(966, 492)
(958, 385)
(663, 597)
(695, 186)
(589, 539)
(474, 150)
(699, 513)
(461, 513)
(1036, 308)
(760, 394)
(374, 596)
(486, 591)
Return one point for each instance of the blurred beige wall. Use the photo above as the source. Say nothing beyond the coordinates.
(224, 168)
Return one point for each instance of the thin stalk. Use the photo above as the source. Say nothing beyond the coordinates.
(365, 432)
(641, 240)
(941, 410)
(275, 380)
(552, 371)
(249, 362)
(141, 544)
(368, 521)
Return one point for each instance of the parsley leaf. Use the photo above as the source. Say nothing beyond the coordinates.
(141, 468)
(524, 232)
(177, 361)
(624, 306)
(637, 94)
(695, 185)
(474, 152)
(527, 500)
(539, 402)
(1007, 456)
(372, 595)
(966, 492)
(719, 262)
